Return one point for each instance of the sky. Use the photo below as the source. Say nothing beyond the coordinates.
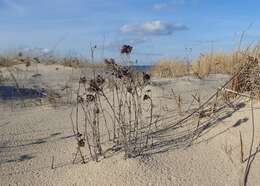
(155, 28)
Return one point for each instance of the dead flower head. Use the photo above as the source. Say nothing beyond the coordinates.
(80, 99)
(79, 134)
(125, 71)
(126, 49)
(110, 61)
(95, 84)
(97, 111)
(130, 89)
(146, 77)
(81, 143)
(100, 80)
(146, 97)
(83, 80)
(90, 98)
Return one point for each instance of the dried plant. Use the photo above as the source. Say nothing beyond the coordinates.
(241, 148)
(130, 129)
(126, 49)
(169, 68)
(178, 101)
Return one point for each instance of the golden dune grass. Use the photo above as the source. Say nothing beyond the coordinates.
(218, 63)
(205, 64)
(169, 68)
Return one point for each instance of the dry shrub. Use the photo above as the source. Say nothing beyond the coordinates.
(121, 104)
(218, 63)
(248, 78)
(3, 61)
(7, 61)
(208, 63)
(129, 126)
(169, 68)
(71, 62)
(50, 61)
(75, 62)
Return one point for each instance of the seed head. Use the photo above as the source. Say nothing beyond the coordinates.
(146, 97)
(129, 89)
(83, 80)
(126, 49)
(90, 98)
(110, 61)
(100, 80)
(81, 143)
(146, 77)
(80, 99)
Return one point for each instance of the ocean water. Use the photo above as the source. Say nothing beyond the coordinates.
(142, 68)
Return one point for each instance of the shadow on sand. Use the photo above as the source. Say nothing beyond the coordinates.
(14, 93)
(185, 135)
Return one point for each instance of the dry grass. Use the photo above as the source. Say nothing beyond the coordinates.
(169, 68)
(218, 63)
(205, 64)
(127, 110)
(8, 60)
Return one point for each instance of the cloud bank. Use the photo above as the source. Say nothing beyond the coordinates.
(152, 28)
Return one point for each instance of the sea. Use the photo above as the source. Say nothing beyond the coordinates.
(142, 68)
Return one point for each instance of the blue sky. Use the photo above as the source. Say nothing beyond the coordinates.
(156, 28)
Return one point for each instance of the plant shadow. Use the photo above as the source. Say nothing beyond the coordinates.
(20, 158)
(185, 135)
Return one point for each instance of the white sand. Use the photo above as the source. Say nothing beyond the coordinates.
(30, 137)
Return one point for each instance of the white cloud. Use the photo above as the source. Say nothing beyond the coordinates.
(152, 28)
(35, 51)
(159, 7)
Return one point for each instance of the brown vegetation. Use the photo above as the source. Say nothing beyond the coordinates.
(133, 128)
(209, 63)
(218, 63)
(169, 68)
(125, 111)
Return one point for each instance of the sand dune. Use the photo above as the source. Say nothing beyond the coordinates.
(31, 137)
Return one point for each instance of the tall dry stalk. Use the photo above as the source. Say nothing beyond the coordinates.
(113, 105)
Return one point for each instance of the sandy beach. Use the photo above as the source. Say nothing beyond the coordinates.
(37, 144)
